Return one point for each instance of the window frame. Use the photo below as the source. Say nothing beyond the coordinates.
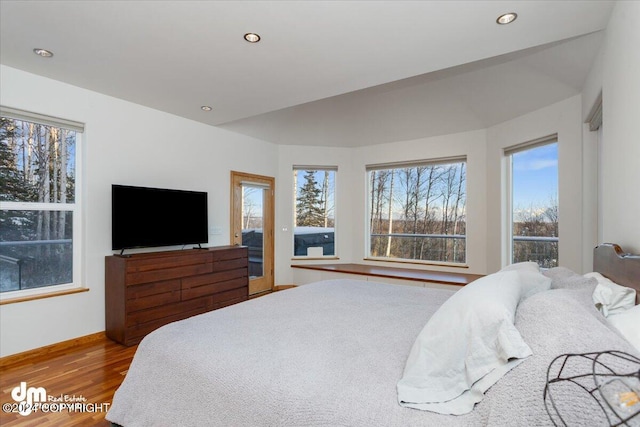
(507, 245)
(316, 168)
(402, 165)
(77, 269)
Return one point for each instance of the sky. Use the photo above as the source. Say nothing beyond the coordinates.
(319, 177)
(535, 177)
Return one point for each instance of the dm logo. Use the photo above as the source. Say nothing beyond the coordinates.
(27, 397)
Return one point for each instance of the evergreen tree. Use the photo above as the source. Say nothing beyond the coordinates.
(309, 210)
(13, 187)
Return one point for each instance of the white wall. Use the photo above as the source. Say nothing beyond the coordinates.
(124, 143)
(620, 149)
(564, 119)
(288, 156)
(591, 90)
(593, 83)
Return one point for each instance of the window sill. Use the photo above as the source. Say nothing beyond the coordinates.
(307, 258)
(427, 263)
(413, 274)
(43, 295)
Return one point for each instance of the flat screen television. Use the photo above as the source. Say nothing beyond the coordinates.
(144, 217)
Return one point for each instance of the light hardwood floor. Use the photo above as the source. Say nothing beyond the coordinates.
(92, 371)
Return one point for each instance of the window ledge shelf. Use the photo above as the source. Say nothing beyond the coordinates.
(43, 295)
(400, 261)
(420, 275)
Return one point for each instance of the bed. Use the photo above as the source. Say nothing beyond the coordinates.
(332, 354)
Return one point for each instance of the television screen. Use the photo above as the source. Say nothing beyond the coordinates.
(147, 217)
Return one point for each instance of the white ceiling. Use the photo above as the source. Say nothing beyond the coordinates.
(337, 73)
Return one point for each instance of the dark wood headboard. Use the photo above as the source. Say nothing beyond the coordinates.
(610, 260)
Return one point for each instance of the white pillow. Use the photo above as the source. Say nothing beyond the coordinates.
(628, 323)
(527, 265)
(468, 344)
(611, 298)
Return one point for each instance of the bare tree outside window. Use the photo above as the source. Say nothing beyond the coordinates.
(37, 200)
(418, 212)
(534, 182)
(252, 227)
(251, 207)
(314, 211)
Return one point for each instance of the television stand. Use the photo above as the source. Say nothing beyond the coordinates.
(145, 291)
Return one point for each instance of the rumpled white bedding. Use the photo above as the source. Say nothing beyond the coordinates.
(448, 371)
(330, 354)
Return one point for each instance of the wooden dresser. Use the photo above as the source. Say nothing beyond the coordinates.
(148, 290)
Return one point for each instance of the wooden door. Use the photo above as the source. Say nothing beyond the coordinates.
(252, 224)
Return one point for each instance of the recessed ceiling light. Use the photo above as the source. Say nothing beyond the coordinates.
(206, 108)
(252, 37)
(507, 18)
(43, 52)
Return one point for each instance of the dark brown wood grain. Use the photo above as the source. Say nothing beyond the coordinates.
(612, 262)
(213, 288)
(92, 368)
(146, 291)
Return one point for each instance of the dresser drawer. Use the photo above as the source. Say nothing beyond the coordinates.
(168, 273)
(161, 261)
(165, 311)
(145, 291)
(229, 297)
(214, 288)
(230, 264)
(149, 295)
(135, 333)
(227, 254)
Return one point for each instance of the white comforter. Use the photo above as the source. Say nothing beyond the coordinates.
(331, 354)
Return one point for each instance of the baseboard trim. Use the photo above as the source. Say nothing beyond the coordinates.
(30, 356)
(283, 287)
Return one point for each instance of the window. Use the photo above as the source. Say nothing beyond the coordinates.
(314, 211)
(39, 209)
(533, 204)
(417, 211)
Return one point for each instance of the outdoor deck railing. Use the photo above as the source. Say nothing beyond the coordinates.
(541, 249)
(25, 267)
(425, 247)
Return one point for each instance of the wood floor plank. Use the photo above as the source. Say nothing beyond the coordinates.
(92, 370)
